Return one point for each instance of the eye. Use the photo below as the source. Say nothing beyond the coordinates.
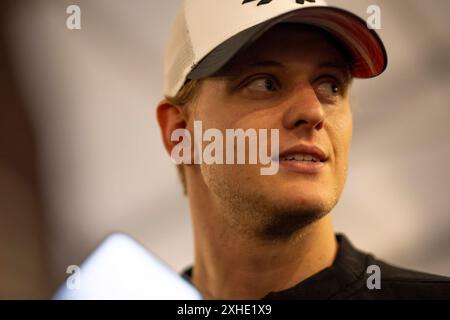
(329, 89)
(262, 85)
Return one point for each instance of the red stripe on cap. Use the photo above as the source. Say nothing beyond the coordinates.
(367, 51)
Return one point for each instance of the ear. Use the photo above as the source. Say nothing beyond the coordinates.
(170, 118)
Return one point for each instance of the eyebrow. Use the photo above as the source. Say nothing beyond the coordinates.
(236, 71)
(339, 65)
(272, 63)
(265, 63)
(330, 64)
(336, 64)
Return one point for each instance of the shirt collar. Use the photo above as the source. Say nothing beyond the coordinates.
(342, 277)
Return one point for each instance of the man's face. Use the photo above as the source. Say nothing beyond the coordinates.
(295, 79)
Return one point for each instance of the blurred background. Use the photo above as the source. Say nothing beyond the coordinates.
(81, 156)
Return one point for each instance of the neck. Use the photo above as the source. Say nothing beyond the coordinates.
(229, 265)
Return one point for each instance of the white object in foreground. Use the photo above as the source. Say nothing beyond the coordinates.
(121, 268)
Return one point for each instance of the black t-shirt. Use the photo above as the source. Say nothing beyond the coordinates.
(351, 276)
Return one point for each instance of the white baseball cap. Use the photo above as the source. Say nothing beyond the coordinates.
(208, 33)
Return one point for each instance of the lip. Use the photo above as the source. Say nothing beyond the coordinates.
(304, 167)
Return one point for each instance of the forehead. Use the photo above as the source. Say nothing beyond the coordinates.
(293, 43)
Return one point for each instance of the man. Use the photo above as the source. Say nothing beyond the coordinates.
(281, 65)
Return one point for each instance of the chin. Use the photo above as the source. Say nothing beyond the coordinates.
(306, 202)
(291, 214)
(306, 196)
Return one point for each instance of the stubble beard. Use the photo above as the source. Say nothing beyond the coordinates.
(258, 216)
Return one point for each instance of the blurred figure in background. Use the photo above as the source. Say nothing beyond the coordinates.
(24, 272)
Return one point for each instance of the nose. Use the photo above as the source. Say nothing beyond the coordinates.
(304, 110)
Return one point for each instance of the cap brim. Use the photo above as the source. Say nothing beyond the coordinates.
(368, 54)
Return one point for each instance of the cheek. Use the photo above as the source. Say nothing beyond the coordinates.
(212, 106)
(341, 132)
(345, 133)
(210, 110)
